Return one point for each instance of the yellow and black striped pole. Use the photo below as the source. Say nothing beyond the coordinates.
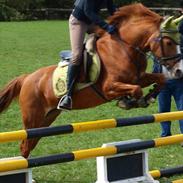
(8, 165)
(88, 126)
(166, 172)
(178, 181)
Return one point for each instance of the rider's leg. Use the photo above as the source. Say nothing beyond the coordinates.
(77, 35)
(66, 101)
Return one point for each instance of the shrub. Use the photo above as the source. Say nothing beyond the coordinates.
(8, 14)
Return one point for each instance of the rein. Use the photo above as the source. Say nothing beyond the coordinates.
(137, 49)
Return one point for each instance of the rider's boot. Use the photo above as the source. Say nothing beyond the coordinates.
(66, 101)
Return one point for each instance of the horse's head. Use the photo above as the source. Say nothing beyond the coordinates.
(145, 30)
(166, 44)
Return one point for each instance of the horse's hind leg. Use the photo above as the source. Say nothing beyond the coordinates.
(36, 120)
(32, 118)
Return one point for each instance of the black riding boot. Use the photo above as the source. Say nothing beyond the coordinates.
(66, 101)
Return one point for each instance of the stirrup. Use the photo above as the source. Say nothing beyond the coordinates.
(65, 103)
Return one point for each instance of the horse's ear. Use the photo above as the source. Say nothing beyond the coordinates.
(178, 20)
(167, 23)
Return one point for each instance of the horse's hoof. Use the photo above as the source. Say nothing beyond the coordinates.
(127, 103)
(142, 103)
(122, 104)
(151, 100)
(155, 85)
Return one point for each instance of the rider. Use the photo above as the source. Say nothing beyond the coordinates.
(83, 16)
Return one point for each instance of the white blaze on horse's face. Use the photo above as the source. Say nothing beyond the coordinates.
(172, 69)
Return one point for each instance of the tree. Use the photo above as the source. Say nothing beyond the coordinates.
(58, 3)
(10, 8)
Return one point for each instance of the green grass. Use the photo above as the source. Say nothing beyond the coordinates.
(27, 46)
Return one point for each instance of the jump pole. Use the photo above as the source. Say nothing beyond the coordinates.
(88, 126)
(178, 181)
(166, 172)
(9, 165)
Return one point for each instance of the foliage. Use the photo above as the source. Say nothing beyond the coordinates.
(156, 3)
(15, 8)
(58, 3)
(9, 13)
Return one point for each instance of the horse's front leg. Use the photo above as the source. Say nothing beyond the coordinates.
(148, 79)
(120, 91)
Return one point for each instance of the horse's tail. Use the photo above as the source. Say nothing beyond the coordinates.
(10, 92)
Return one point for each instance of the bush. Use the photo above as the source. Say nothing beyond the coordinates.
(8, 14)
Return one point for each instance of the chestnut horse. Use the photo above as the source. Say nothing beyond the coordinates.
(123, 62)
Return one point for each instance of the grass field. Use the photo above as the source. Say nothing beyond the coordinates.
(27, 46)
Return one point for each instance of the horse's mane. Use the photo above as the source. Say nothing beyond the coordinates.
(135, 11)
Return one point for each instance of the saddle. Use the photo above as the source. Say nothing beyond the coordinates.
(90, 68)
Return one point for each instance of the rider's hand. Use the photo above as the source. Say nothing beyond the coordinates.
(111, 29)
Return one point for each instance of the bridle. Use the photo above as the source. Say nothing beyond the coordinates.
(163, 59)
(167, 34)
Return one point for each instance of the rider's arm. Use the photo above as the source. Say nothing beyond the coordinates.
(88, 9)
(111, 7)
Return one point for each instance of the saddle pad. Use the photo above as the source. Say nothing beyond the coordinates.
(59, 80)
(60, 76)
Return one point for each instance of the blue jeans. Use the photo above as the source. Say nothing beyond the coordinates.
(173, 88)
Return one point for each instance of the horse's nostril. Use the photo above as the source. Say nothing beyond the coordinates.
(178, 73)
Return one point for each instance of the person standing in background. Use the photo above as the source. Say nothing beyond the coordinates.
(173, 88)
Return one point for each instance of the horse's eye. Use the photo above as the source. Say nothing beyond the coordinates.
(169, 43)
